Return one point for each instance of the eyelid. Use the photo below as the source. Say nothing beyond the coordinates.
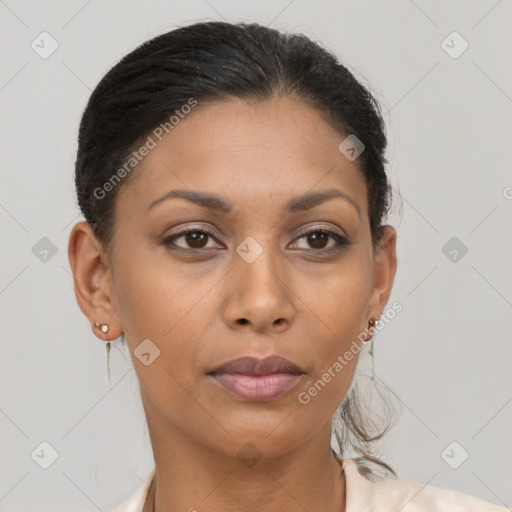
(330, 229)
(192, 228)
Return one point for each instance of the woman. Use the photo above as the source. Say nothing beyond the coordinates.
(233, 185)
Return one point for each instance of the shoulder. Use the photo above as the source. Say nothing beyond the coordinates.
(136, 501)
(364, 495)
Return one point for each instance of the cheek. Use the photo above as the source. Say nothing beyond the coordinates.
(156, 303)
(339, 305)
(152, 293)
(160, 301)
(338, 298)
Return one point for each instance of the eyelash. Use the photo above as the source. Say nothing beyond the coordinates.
(341, 241)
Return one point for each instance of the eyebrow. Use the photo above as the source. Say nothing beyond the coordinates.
(217, 203)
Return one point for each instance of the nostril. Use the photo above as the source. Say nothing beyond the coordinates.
(242, 321)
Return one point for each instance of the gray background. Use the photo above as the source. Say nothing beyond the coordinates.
(447, 355)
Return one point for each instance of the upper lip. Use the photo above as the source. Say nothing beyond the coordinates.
(253, 366)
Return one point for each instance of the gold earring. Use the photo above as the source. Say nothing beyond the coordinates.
(372, 323)
(104, 329)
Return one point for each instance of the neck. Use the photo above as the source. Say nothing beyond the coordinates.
(193, 477)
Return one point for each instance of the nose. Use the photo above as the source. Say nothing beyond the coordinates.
(260, 296)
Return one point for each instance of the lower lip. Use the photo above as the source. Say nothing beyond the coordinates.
(258, 387)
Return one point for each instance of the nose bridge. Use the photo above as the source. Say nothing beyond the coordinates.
(260, 293)
(261, 273)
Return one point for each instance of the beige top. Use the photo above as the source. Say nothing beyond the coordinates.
(365, 496)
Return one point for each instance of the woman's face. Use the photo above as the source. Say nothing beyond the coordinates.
(247, 280)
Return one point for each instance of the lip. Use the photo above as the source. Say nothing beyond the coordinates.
(258, 388)
(255, 379)
(253, 366)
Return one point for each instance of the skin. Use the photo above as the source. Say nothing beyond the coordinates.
(297, 301)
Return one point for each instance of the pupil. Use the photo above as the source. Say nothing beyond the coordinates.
(194, 238)
(316, 237)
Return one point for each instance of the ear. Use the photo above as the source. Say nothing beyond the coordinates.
(384, 271)
(92, 281)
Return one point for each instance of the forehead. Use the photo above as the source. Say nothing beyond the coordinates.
(279, 147)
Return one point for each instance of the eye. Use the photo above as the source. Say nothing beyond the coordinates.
(197, 238)
(318, 240)
(194, 238)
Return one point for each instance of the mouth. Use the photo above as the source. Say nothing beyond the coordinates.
(258, 379)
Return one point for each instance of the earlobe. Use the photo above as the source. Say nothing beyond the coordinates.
(92, 283)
